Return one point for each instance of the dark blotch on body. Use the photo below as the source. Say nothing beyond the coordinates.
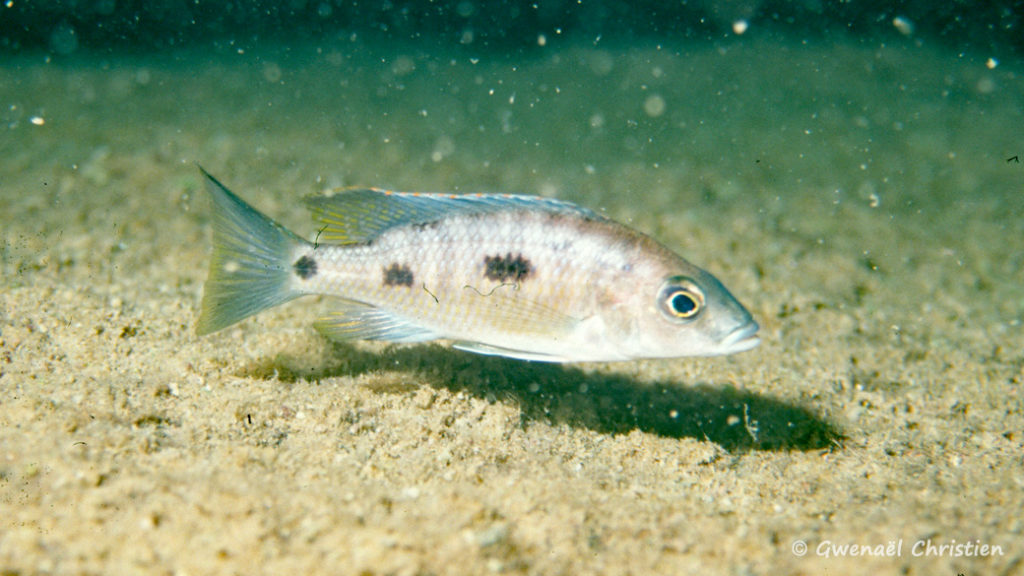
(305, 267)
(508, 267)
(425, 226)
(398, 275)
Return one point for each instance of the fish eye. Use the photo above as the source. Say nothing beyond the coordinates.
(680, 298)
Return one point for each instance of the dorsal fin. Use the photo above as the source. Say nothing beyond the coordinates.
(358, 215)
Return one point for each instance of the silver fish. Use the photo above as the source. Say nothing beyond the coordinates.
(518, 276)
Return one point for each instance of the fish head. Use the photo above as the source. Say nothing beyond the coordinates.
(685, 311)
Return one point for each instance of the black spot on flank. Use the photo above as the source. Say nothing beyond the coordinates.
(429, 225)
(508, 267)
(305, 267)
(398, 275)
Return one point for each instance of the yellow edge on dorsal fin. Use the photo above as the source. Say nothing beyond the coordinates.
(358, 215)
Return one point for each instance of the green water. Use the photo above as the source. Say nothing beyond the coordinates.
(888, 155)
(860, 196)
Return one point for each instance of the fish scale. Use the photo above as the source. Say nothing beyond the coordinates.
(512, 275)
(449, 288)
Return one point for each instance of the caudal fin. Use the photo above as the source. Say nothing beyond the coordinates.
(250, 269)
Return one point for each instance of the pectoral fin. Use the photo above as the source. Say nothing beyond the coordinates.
(357, 321)
(491, 350)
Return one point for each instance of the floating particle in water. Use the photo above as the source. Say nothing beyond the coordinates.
(740, 26)
(64, 39)
(403, 66)
(271, 72)
(991, 63)
(443, 147)
(601, 62)
(654, 106)
(37, 120)
(465, 9)
(903, 25)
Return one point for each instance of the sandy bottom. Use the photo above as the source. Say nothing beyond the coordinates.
(858, 199)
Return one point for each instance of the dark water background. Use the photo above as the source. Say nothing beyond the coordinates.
(64, 26)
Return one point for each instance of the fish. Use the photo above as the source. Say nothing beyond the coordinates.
(519, 276)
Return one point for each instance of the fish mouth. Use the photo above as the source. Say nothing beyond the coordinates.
(742, 339)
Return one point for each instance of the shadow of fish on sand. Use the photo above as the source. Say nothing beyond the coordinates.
(606, 402)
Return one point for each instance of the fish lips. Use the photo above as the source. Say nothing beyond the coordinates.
(741, 339)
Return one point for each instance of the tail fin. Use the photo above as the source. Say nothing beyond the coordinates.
(250, 269)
